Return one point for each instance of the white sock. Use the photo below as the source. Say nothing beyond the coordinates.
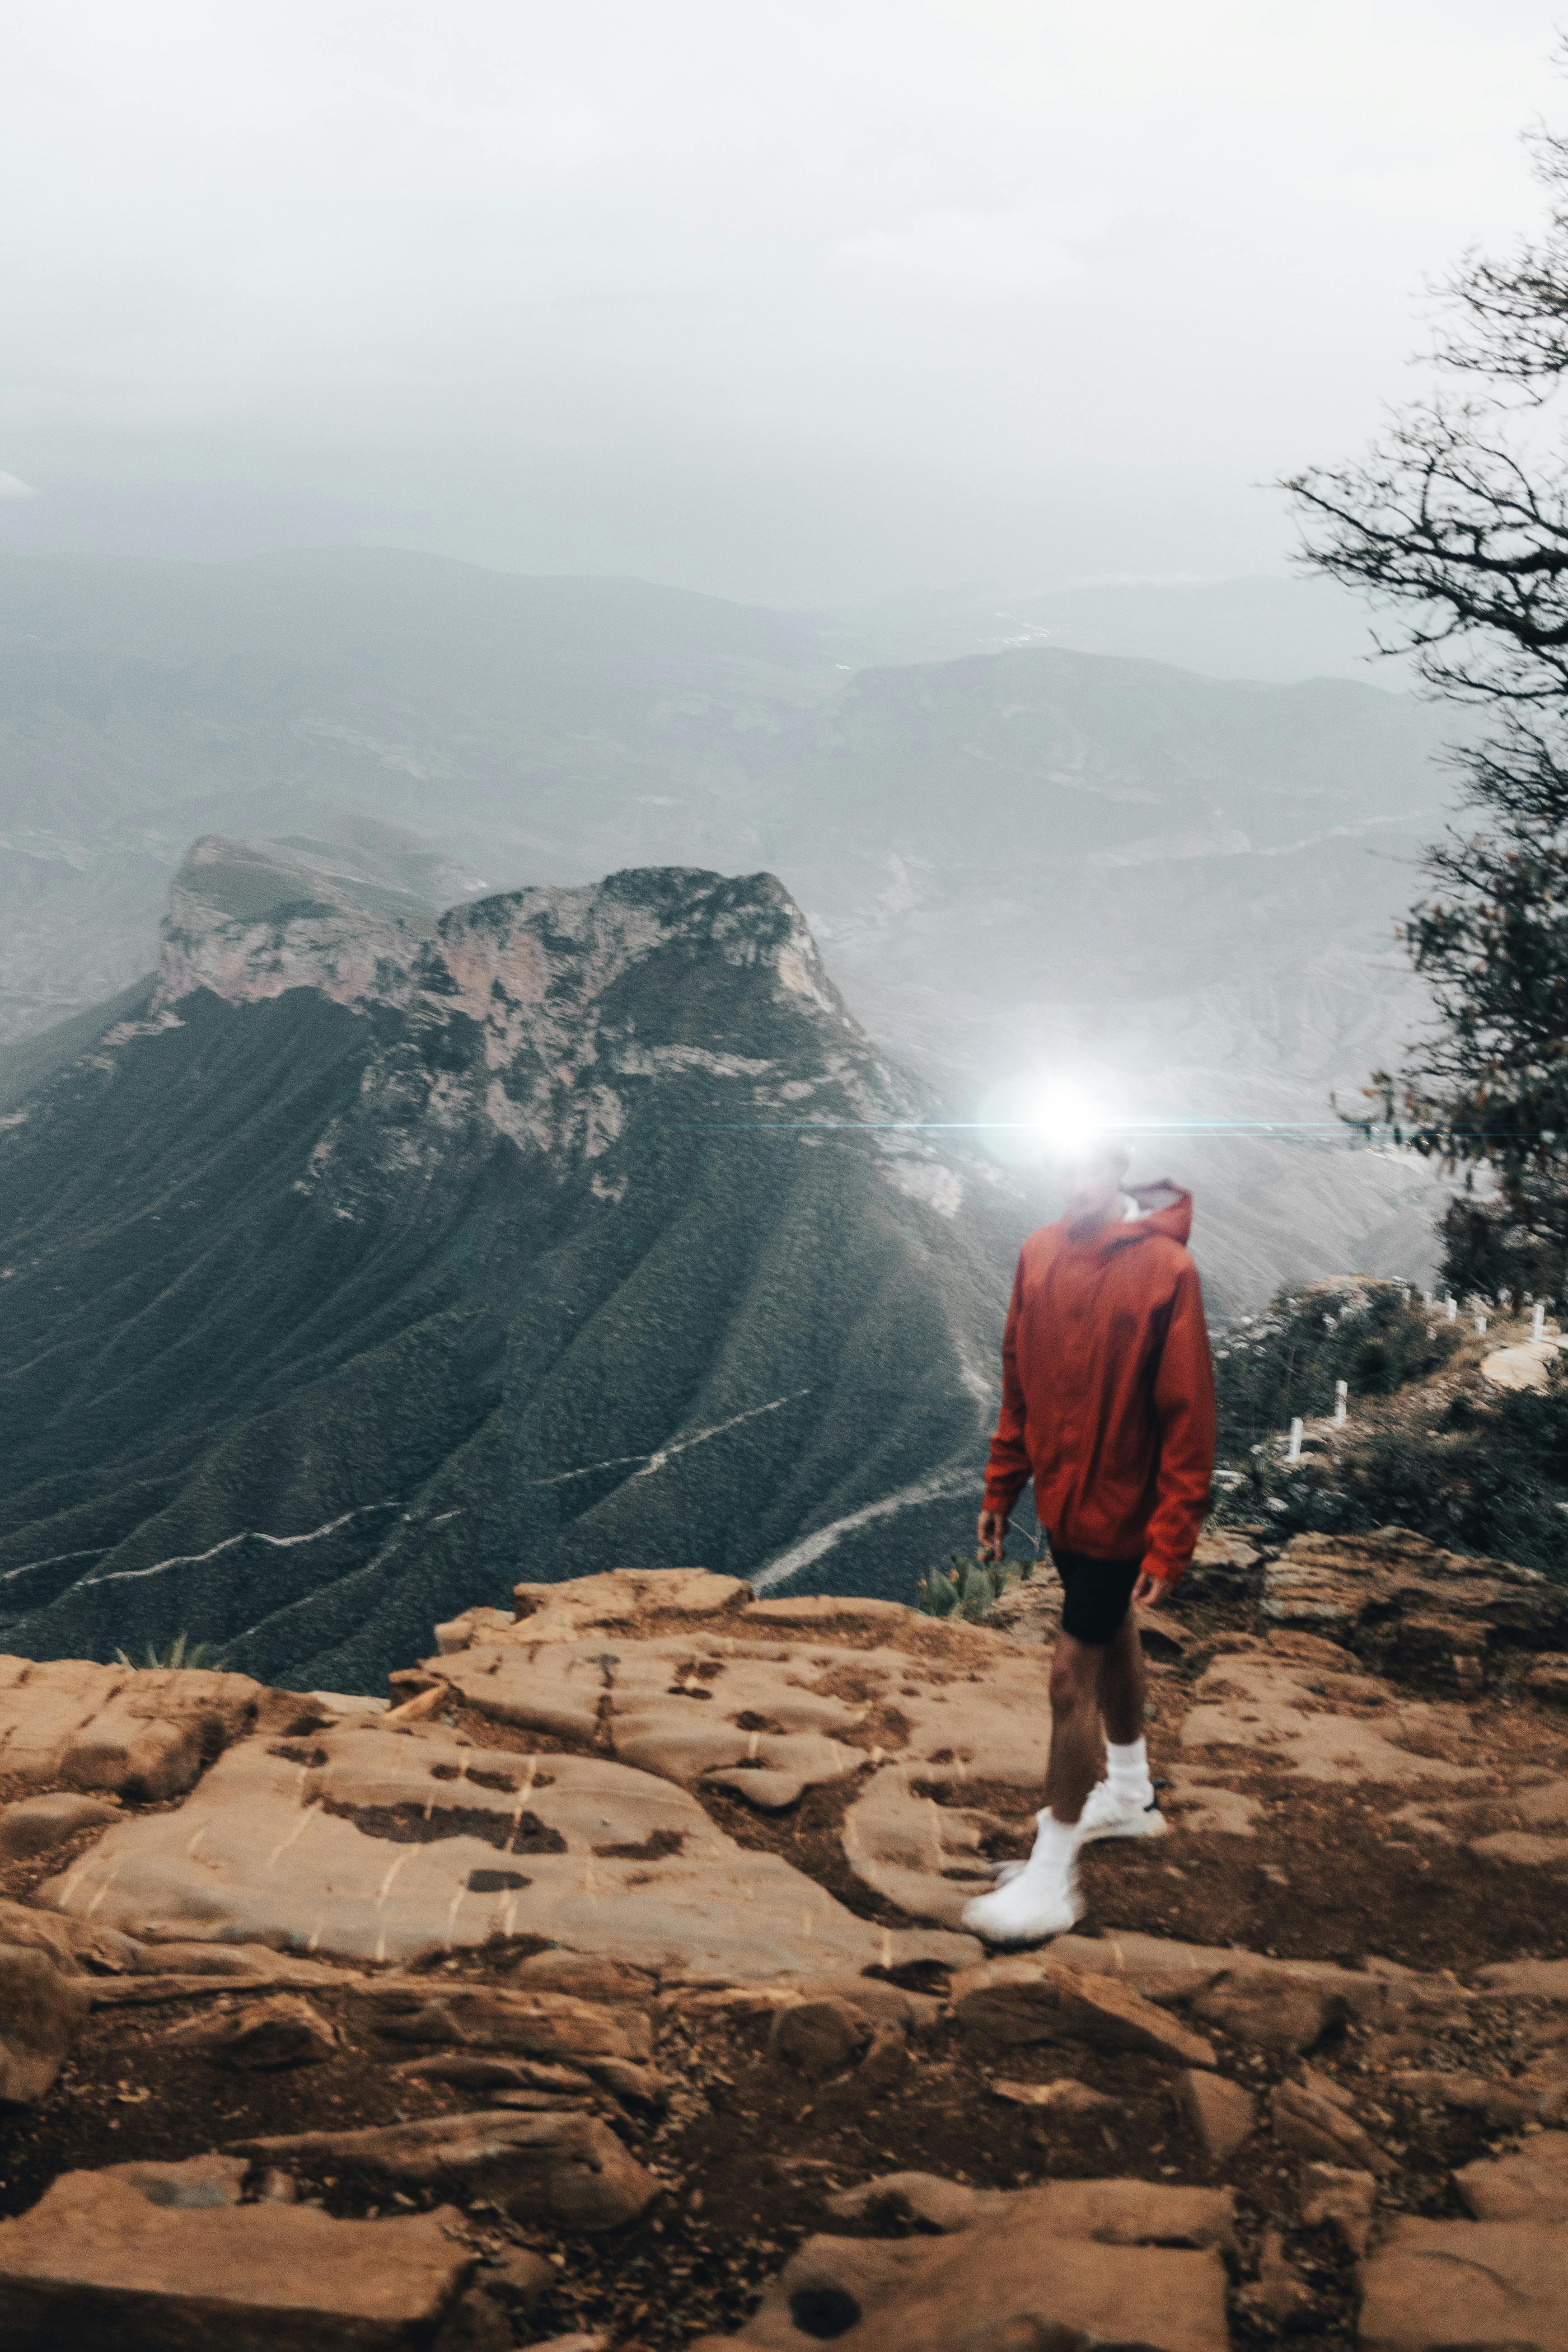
(1056, 1842)
(1129, 1768)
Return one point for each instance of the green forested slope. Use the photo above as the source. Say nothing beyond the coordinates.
(321, 1319)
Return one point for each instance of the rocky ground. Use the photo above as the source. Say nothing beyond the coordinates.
(605, 1985)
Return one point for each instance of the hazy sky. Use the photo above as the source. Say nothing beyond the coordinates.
(784, 299)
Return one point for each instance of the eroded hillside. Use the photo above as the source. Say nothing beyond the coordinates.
(376, 1253)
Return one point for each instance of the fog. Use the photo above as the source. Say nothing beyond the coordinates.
(795, 303)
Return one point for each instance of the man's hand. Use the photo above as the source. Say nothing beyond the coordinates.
(1149, 1592)
(993, 1534)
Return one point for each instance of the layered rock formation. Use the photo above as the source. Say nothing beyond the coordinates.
(604, 1979)
(378, 1255)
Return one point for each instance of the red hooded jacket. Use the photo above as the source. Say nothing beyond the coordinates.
(1108, 1388)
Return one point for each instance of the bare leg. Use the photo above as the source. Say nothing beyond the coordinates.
(1123, 1684)
(1074, 1766)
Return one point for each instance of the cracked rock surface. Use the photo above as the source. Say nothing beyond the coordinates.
(606, 1986)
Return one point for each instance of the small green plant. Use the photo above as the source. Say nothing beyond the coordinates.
(966, 1588)
(181, 1652)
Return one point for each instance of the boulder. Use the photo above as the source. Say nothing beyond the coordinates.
(1019, 2001)
(158, 2258)
(1280, 2294)
(31, 1825)
(42, 2009)
(1529, 2185)
(498, 2016)
(266, 2035)
(1476, 2283)
(1344, 2202)
(819, 2037)
(1220, 2112)
(1314, 2122)
(519, 2275)
(567, 2169)
(1065, 2097)
(1291, 2015)
(72, 1944)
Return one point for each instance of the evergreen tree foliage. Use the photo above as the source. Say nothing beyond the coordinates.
(1457, 524)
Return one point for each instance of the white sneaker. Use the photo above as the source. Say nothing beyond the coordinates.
(1034, 1902)
(1107, 1815)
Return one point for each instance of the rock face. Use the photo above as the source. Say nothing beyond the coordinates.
(381, 1846)
(731, 1703)
(587, 1940)
(592, 1122)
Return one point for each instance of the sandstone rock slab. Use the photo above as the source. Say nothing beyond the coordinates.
(568, 2169)
(31, 1825)
(140, 1732)
(123, 2258)
(1527, 1979)
(1411, 1607)
(1268, 2015)
(74, 1944)
(1265, 1703)
(1312, 2122)
(391, 1846)
(1476, 2283)
(1342, 2201)
(41, 2012)
(1020, 2002)
(1529, 2185)
(1548, 1679)
(1012, 2265)
(1221, 2113)
(266, 2036)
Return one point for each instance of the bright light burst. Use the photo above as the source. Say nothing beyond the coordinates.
(1067, 1121)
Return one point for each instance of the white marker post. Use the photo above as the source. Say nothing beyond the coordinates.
(1453, 1309)
(1297, 1431)
(1538, 1322)
(1341, 1397)
(1481, 1326)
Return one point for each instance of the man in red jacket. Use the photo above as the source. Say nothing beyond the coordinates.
(1107, 1405)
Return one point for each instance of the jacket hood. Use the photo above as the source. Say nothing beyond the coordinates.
(1162, 1208)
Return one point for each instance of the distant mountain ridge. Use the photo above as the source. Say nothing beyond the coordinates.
(372, 1259)
(1016, 860)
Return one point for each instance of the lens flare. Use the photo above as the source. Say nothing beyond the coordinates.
(1068, 1121)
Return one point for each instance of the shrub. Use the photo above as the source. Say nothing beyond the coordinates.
(181, 1652)
(966, 1588)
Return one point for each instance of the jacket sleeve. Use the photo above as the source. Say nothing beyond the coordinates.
(1185, 1409)
(1007, 1472)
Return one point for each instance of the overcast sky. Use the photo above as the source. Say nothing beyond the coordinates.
(789, 300)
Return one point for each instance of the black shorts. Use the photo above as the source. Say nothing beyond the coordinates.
(1097, 1594)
